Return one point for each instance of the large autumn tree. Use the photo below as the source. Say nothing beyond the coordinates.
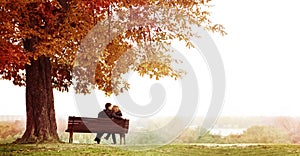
(41, 40)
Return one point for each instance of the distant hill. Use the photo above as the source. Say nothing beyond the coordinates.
(244, 122)
(11, 117)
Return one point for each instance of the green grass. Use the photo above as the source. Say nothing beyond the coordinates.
(181, 149)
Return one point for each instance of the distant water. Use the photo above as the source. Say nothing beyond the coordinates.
(227, 131)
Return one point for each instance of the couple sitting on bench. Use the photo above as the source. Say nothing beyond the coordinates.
(110, 112)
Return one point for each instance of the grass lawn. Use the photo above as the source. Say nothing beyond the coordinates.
(181, 149)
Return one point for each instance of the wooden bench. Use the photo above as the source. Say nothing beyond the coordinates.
(95, 125)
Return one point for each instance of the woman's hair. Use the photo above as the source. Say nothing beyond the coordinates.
(115, 108)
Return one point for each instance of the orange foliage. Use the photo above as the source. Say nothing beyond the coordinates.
(59, 26)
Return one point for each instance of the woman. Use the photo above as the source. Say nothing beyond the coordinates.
(117, 114)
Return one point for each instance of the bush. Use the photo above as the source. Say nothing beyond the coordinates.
(255, 134)
(10, 131)
(265, 134)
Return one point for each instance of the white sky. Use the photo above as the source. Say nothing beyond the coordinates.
(261, 58)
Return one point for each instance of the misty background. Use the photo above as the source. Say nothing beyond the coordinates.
(261, 61)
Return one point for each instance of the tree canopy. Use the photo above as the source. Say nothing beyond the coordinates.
(56, 28)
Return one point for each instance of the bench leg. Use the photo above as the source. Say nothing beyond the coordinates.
(71, 137)
(122, 138)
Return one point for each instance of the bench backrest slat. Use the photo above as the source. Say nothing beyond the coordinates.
(94, 125)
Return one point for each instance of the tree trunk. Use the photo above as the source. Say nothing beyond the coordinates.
(40, 123)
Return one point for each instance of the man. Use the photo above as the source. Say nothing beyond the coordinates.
(106, 113)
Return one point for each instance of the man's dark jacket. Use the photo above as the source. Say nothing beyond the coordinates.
(105, 114)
